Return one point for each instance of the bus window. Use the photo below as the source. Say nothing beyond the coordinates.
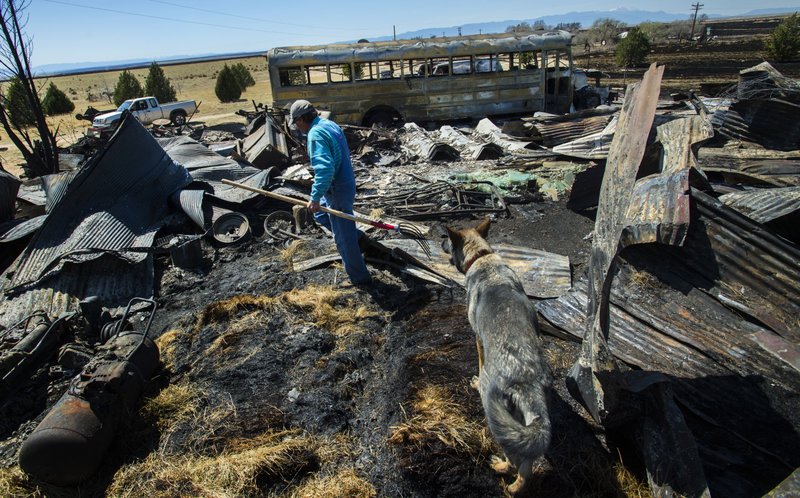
(316, 75)
(505, 62)
(487, 64)
(388, 69)
(291, 76)
(340, 73)
(414, 68)
(528, 60)
(366, 71)
(439, 66)
(462, 65)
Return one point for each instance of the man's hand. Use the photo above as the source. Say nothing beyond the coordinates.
(312, 206)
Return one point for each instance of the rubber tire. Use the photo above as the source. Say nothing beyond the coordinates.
(383, 119)
(178, 118)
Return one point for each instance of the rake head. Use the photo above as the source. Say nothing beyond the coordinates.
(412, 232)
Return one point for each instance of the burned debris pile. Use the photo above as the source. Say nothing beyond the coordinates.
(658, 242)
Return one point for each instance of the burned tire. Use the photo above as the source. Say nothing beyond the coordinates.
(178, 118)
(382, 118)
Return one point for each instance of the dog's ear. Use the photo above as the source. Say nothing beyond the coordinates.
(483, 228)
(456, 239)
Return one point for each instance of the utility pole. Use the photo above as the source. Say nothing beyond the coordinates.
(394, 32)
(696, 6)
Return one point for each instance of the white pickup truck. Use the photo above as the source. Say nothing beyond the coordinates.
(146, 110)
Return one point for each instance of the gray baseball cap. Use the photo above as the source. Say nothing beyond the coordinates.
(299, 108)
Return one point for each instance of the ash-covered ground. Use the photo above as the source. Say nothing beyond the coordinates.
(285, 383)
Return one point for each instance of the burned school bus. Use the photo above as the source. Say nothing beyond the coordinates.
(428, 80)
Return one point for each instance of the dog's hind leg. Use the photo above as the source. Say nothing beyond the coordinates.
(524, 474)
(501, 465)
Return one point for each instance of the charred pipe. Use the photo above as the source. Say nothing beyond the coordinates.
(68, 446)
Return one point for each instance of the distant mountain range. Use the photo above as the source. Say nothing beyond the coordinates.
(586, 18)
(93, 67)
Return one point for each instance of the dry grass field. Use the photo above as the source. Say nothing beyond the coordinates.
(193, 81)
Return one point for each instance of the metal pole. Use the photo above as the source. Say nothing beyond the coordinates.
(394, 32)
(696, 7)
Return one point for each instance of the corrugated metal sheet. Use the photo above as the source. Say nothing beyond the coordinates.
(562, 132)
(764, 205)
(23, 229)
(115, 202)
(113, 280)
(469, 148)
(207, 169)
(9, 186)
(624, 157)
(543, 274)
(659, 210)
(419, 143)
(594, 146)
(772, 123)
(201, 162)
(32, 192)
(489, 132)
(719, 316)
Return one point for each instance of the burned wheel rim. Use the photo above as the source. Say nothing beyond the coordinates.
(279, 225)
(231, 228)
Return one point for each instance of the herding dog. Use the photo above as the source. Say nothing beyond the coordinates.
(513, 378)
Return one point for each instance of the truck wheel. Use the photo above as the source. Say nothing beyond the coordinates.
(178, 118)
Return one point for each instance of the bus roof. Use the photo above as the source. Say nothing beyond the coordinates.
(417, 49)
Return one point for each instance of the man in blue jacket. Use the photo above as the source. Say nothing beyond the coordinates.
(334, 184)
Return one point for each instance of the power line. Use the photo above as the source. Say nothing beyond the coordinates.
(198, 23)
(250, 18)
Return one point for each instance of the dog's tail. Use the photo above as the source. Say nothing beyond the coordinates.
(518, 419)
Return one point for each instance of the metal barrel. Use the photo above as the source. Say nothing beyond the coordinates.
(69, 444)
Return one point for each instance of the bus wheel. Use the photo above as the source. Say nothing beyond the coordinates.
(380, 118)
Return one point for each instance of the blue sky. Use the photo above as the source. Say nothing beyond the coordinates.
(67, 31)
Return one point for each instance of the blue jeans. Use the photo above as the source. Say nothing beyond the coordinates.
(345, 233)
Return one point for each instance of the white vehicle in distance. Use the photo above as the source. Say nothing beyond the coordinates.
(146, 110)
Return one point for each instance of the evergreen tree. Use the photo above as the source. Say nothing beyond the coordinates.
(632, 49)
(227, 87)
(56, 102)
(17, 105)
(158, 85)
(243, 76)
(128, 87)
(784, 43)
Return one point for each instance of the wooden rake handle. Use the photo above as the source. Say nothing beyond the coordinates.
(301, 202)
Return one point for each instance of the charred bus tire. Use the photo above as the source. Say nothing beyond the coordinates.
(69, 445)
(178, 118)
(382, 117)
